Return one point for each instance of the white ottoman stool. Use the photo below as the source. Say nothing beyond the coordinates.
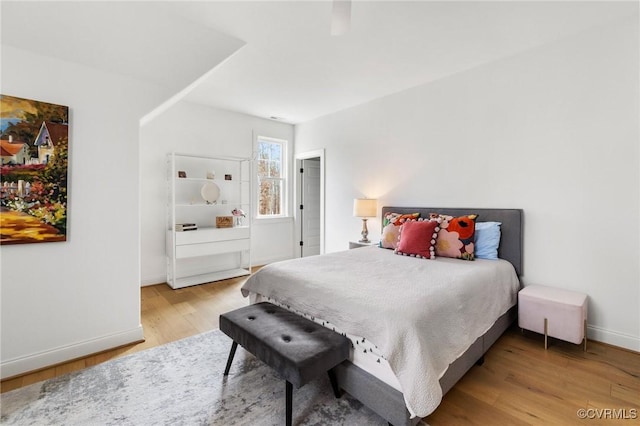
(553, 312)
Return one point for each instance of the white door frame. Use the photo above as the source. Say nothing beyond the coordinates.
(319, 153)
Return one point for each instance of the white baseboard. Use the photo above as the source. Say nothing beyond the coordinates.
(144, 282)
(25, 364)
(614, 338)
(267, 260)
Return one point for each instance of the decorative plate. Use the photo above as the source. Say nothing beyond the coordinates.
(210, 192)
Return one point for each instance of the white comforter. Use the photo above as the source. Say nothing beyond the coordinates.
(421, 314)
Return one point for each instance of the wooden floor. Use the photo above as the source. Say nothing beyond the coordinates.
(519, 383)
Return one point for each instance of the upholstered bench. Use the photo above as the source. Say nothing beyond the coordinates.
(298, 349)
(553, 312)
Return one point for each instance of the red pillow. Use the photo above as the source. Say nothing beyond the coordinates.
(418, 238)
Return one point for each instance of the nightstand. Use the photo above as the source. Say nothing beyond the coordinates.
(357, 244)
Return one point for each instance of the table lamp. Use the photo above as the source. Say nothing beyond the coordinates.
(364, 208)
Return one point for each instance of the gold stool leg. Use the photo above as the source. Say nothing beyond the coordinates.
(545, 333)
(585, 335)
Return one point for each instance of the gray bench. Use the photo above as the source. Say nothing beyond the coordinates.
(298, 349)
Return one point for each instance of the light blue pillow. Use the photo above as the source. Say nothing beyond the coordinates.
(487, 240)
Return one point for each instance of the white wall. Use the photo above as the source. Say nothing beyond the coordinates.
(553, 131)
(194, 129)
(68, 299)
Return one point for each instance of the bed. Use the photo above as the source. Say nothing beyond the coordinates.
(413, 323)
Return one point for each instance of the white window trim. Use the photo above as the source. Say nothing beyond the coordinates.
(286, 215)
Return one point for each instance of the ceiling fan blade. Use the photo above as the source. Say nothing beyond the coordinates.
(340, 17)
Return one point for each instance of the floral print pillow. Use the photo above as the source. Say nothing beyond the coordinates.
(391, 223)
(390, 236)
(398, 218)
(456, 236)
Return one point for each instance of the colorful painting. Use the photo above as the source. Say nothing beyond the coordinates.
(34, 138)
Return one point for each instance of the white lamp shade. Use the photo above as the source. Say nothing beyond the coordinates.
(365, 207)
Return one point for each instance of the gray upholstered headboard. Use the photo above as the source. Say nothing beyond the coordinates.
(511, 237)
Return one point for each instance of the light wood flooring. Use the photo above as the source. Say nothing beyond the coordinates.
(519, 383)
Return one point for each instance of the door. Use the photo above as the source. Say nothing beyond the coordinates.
(310, 207)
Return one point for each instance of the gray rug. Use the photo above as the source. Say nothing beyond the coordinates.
(180, 383)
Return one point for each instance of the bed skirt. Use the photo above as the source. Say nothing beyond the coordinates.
(389, 403)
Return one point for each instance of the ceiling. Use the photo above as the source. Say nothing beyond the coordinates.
(278, 59)
(137, 39)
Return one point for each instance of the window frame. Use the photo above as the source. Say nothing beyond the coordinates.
(284, 179)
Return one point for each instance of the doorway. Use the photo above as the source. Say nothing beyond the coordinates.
(310, 205)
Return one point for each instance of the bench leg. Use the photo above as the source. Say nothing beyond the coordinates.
(289, 403)
(230, 360)
(334, 383)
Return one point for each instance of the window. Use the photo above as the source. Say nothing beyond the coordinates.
(272, 177)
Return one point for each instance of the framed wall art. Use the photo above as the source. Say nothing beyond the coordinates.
(34, 145)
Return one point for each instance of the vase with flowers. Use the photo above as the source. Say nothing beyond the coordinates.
(238, 214)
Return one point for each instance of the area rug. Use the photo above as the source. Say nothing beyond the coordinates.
(180, 383)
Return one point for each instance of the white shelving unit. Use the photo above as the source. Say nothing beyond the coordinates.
(208, 253)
